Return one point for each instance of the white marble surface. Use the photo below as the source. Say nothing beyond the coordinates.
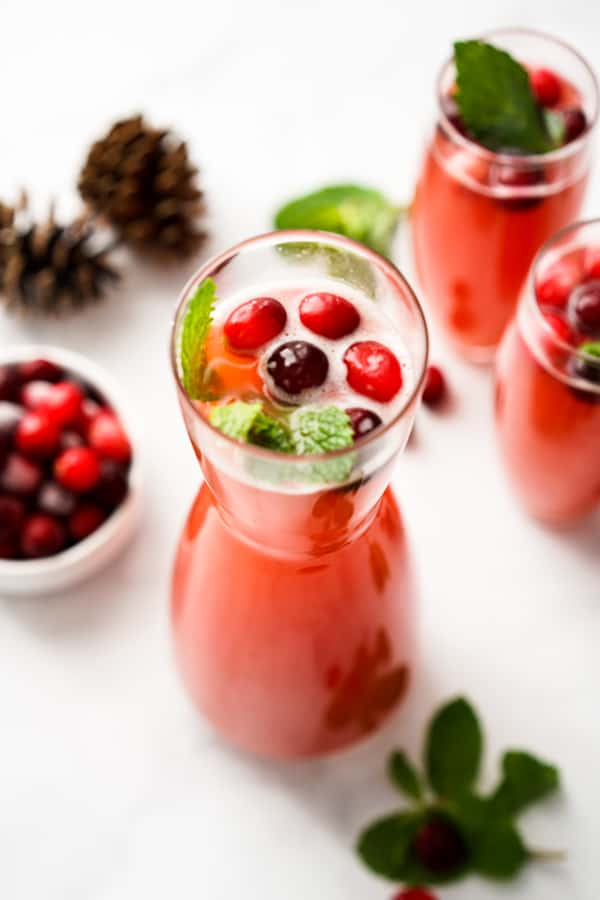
(110, 787)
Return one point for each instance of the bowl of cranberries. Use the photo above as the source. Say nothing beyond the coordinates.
(69, 478)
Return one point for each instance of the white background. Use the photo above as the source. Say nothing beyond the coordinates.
(110, 787)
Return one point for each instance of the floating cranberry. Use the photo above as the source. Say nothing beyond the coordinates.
(10, 416)
(63, 402)
(86, 519)
(546, 86)
(9, 382)
(518, 178)
(591, 264)
(255, 323)
(37, 434)
(41, 536)
(439, 847)
(373, 370)
(56, 500)
(555, 285)
(415, 893)
(20, 475)
(329, 315)
(435, 386)
(584, 308)
(107, 436)
(575, 122)
(35, 393)
(12, 515)
(559, 327)
(297, 366)
(363, 421)
(40, 370)
(112, 487)
(77, 469)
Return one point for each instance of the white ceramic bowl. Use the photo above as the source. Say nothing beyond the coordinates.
(52, 573)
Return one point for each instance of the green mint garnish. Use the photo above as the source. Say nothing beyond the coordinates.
(496, 101)
(592, 348)
(448, 830)
(357, 212)
(321, 430)
(247, 422)
(195, 329)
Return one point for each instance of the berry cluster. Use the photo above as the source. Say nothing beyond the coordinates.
(64, 460)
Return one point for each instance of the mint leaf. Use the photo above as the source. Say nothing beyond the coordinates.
(385, 846)
(592, 348)
(269, 433)
(453, 749)
(404, 775)
(235, 419)
(195, 329)
(525, 781)
(358, 212)
(495, 99)
(498, 851)
(321, 430)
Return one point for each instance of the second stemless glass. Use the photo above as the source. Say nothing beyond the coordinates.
(480, 217)
(292, 601)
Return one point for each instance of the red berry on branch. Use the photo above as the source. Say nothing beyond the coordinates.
(439, 846)
(415, 893)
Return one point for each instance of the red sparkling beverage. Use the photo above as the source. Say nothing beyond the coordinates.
(293, 596)
(479, 216)
(547, 396)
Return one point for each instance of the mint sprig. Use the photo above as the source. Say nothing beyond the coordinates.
(496, 101)
(357, 212)
(449, 830)
(248, 423)
(196, 324)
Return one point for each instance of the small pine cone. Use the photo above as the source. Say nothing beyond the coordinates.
(140, 180)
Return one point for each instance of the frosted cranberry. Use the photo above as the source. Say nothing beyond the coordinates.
(40, 370)
(9, 382)
(329, 315)
(12, 514)
(86, 519)
(77, 469)
(297, 366)
(439, 847)
(574, 121)
(34, 393)
(363, 421)
(435, 386)
(112, 487)
(373, 370)
(63, 402)
(10, 416)
(555, 285)
(584, 308)
(255, 323)
(546, 86)
(108, 437)
(591, 264)
(415, 893)
(37, 434)
(41, 536)
(20, 475)
(56, 500)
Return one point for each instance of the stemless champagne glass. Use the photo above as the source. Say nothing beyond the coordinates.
(292, 598)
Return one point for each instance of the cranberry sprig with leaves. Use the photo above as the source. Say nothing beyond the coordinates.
(450, 830)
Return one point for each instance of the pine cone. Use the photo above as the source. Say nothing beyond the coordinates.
(140, 180)
(51, 268)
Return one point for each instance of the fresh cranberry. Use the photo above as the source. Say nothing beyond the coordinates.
(112, 488)
(37, 434)
(12, 514)
(63, 402)
(108, 438)
(10, 416)
(9, 382)
(87, 413)
(77, 469)
(35, 393)
(555, 285)
(517, 178)
(329, 315)
(40, 370)
(439, 847)
(56, 500)
(296, 366)
(574, 121)
(591, 263)
(559, 327)
(20, 475)
(435, 386)
(69, 439)
(584, 308)
(42, 535)
(86, 519)
(8, 548)
(373, 370)
(415, 893)
(255, 323)
(546, 86)
(363, 421)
